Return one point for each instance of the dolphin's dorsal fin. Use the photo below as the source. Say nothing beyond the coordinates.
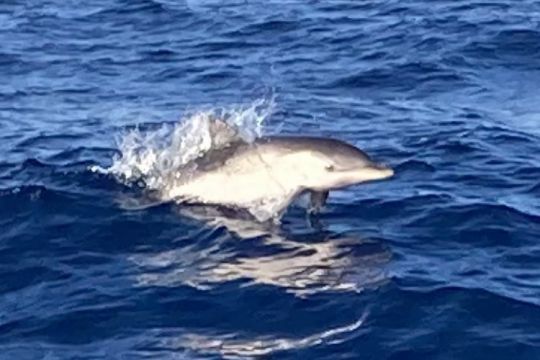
(317, 200)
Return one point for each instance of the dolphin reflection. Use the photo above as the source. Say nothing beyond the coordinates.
(300, 264)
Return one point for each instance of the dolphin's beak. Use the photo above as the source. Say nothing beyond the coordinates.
(385, 171)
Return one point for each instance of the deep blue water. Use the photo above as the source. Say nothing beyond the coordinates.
(440, 262)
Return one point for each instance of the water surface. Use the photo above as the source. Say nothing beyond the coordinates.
(441, 262)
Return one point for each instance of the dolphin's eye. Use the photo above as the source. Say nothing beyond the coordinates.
(330, 168)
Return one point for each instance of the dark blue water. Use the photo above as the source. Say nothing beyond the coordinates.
(440, 262)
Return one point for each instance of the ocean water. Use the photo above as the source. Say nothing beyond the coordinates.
(440, 262)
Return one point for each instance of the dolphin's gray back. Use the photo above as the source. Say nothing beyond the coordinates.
(314, 144)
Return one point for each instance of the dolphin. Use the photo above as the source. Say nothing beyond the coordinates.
(270, 172)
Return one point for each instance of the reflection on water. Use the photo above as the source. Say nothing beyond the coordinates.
(233, 346)
(303, 264)
(318, 262)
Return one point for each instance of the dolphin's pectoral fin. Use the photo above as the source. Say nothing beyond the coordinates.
(317, 201)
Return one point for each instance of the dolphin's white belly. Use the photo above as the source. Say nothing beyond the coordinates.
(223, 188)
(247, 180)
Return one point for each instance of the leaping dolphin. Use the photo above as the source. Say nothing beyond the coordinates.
(272, 171)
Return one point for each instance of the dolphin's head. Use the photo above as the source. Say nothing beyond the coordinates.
(336, 164)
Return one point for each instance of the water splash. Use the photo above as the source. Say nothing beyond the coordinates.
(154, 158)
